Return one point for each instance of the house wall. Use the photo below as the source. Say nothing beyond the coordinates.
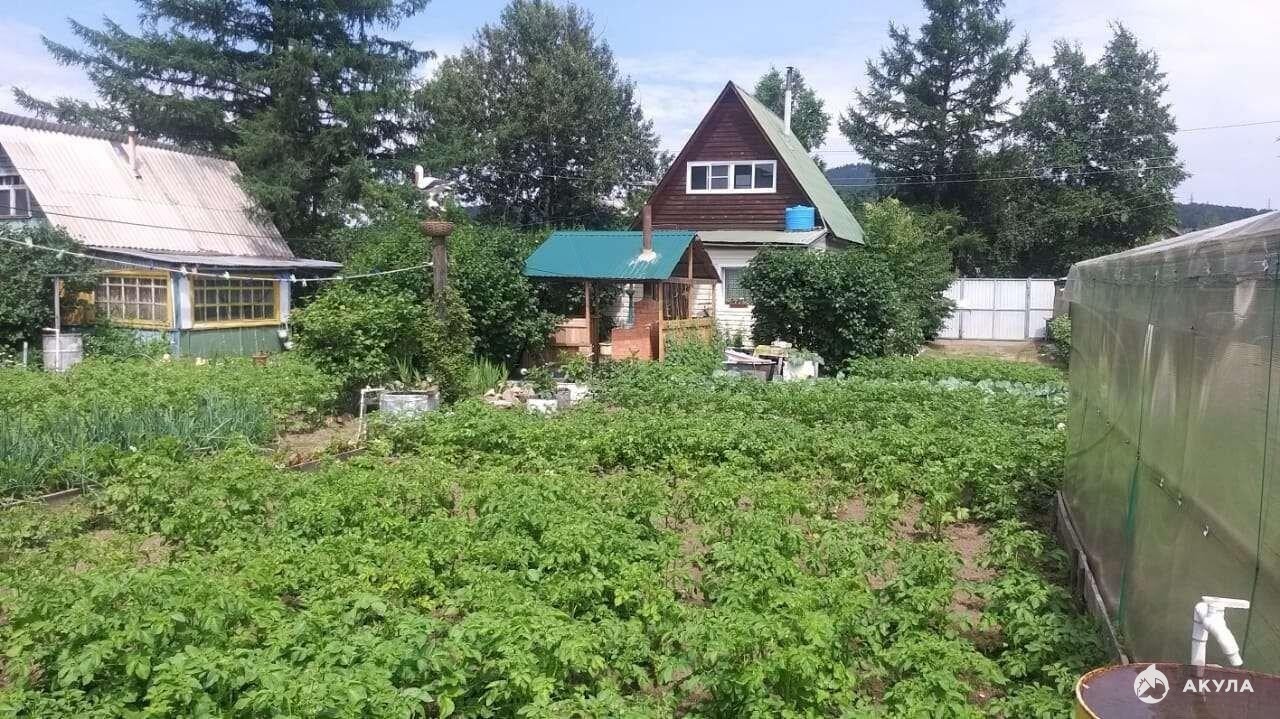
(732, 320)
(727, 133)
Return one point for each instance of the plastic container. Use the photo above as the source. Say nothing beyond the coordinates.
(62, 350)
(401, 404)
(800, 218)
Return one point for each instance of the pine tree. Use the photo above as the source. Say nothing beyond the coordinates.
(304, 95)
(934, 102)
(536, 122)
(809, 119)
(1101, 137)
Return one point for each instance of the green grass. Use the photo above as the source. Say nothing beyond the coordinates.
(685, 547)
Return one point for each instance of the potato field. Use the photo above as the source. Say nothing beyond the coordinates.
(681, 545)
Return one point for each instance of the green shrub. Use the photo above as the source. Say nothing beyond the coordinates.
(26, 291)
(107, 340)
(483, 375)
(1060, 336)
(970, 369)
(839, 304)
(885, 297)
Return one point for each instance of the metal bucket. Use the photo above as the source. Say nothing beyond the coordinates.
(409, 404)
(61, 351)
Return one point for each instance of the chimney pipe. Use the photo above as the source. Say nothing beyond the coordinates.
(786, 102)
(646, 224)
(132, 146)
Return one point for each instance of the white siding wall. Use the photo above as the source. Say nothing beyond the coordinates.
(732, 320)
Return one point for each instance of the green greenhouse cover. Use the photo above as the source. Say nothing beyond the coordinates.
(607, 255)
(1173, 463)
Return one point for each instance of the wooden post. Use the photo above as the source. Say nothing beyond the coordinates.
(591, 325)
(438, 230)
(57, 305)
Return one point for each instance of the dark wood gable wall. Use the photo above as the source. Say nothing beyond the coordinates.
(727, 133)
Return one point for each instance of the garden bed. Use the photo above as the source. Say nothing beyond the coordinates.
(679, 546)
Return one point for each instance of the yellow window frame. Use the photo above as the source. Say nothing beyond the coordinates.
(274, 319)
(162, 324)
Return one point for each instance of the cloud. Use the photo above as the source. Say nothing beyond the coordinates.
(33, 69)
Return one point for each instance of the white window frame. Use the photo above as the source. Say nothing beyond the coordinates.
(730, 190)
(724, 284)
(11, 186)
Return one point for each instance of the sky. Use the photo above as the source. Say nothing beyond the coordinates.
(1220, 58)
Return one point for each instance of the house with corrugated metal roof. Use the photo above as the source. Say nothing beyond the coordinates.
(185, 253)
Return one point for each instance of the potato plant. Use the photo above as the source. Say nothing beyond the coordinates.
(685, 546)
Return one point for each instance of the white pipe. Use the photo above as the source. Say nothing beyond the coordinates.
(786, 103)
(361, 424)
(1210, 619)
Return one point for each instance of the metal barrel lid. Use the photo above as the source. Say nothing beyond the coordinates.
(1165, 690)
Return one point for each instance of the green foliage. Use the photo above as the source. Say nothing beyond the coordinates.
(537, 121)
(970, 369)
(630, 560)
(483, 375)
(695, 354)
(304, 95)
(26, 294)
(72, 429)
(809, 121)
(1199, 215)
(1060, 336)
(368, 334)
(358, 332)
(107, 340)
(509, 312)
(1088, 119)
(881, 298)
(934, 101)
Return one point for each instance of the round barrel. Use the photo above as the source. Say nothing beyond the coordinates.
(800, 218)
(61, 351)
(1172, 691)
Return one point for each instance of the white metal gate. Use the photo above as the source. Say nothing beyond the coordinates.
(999, 309)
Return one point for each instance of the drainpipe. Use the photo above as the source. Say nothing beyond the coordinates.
(786, 102)
(132, 145)
(646, 219)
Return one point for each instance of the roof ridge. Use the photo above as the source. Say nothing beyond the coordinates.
(34, 123)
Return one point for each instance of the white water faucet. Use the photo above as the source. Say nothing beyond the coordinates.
(1210, 618)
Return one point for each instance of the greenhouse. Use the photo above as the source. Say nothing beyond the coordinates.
(1175, 425)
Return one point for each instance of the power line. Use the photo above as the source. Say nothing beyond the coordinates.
(1001, 179)
(186, 271)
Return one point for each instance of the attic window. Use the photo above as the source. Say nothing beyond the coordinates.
(733, 177)
(15, 201)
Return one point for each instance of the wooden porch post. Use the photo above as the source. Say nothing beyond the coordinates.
(586, 308)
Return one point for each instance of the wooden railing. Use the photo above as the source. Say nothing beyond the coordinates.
(698, 328)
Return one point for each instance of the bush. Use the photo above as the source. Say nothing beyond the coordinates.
(107, 340)
(361, 333)
(885, 297)
(1060, 337)
(838, 304)
(509, 312)
(26, 291)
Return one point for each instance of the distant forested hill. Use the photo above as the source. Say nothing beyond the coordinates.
(1199, 215)
(858, 172)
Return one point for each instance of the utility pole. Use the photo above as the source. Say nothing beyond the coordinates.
(436, 231)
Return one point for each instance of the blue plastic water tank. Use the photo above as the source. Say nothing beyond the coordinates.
(799, 218)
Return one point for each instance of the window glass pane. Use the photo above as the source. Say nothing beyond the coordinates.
(21, 203)
(698, 177)
(733, 290)
(6, 199)
(719, 171)
(764, 176)
(742, 177)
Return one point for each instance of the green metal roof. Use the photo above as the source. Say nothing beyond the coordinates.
(607, 255)
(834, 212)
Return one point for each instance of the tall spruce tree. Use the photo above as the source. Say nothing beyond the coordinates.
(1101, 137)
(809, 118)
(934, 102)
(304, 94)
(536, 122)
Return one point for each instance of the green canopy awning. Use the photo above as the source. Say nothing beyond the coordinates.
(617, 255)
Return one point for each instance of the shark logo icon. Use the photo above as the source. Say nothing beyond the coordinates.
(1151, 685)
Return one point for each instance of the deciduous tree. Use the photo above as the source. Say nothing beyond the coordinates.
(809, 119)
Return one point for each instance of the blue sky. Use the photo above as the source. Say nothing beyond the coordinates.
(1220, 58)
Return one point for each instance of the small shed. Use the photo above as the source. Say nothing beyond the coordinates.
(665, 272)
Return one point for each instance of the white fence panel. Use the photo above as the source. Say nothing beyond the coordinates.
(999, 309)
